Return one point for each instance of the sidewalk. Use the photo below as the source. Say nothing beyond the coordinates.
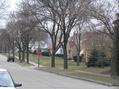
(33, 63)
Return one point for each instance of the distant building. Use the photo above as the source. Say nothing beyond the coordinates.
(88, 41)
(43, 41)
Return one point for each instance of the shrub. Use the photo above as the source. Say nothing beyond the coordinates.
(101, 60)
(46, 53)
(97, 59)
(75, 58)
(93, 58)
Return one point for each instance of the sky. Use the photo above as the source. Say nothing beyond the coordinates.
(11, 6)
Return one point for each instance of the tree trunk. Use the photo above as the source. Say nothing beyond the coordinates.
(19, 55)
(8, 51)
(115, 60)
(27, 54)
(53, 57)
(13, 52)
(27, 48)
(19, 47)
(23, 54)
(65, 55)
(20, 51)
(78, 49)
(78, 59)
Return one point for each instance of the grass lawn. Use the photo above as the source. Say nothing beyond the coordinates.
(95, 73)
(46, 61)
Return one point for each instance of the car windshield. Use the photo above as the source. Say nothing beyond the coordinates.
(5, 79)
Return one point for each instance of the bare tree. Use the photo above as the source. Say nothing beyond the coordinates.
(78, 40)
(11, 26)
(48, 23)
(69, 13)
(2, 8)
(26, 37)
(4, 41)
(22, 25)
(63, 16)
(104, 12)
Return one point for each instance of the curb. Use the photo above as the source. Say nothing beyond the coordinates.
(90, 80)
(81, 78)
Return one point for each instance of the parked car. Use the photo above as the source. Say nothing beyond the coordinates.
(42, 51)
(10, 59)
(6, 81)
(45, 51)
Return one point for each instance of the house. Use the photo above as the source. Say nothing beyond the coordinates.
(88, 41)
(42, 41)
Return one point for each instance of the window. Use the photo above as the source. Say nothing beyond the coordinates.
(5, 79)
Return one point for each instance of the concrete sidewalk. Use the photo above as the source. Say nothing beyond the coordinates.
(32, 63)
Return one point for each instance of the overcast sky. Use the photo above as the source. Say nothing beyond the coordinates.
(12, 6)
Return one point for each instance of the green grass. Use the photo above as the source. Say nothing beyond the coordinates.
(79, 71)
(46, 61)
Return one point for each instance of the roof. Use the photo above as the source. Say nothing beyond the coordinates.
(3, 69)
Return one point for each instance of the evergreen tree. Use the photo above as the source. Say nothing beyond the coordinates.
(97, 59)
(94, 56)
(101, 62)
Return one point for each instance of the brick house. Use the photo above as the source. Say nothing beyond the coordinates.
(89, 40)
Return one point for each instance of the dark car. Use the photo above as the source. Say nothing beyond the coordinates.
(45, 51)
(10, 59)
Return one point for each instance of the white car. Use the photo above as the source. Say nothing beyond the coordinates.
(6, 81)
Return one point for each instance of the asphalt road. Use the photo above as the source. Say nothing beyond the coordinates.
(34, 79)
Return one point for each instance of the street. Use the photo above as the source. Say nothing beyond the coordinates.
(34, 79)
